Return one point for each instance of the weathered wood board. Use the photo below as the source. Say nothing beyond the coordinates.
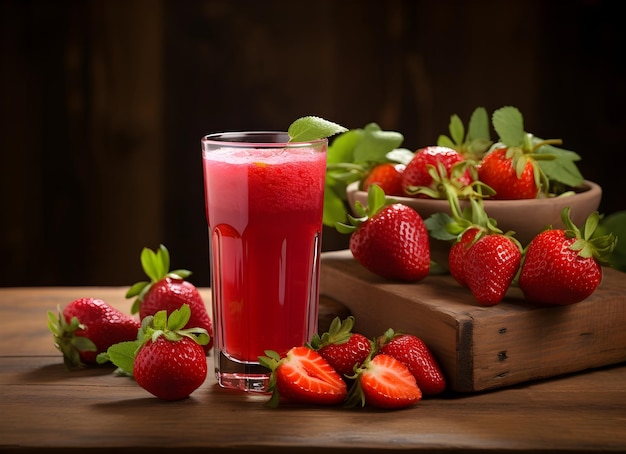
(479, 347)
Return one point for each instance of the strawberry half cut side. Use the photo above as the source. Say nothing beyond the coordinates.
(303, 376)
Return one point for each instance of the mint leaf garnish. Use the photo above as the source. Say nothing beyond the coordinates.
(310, 128)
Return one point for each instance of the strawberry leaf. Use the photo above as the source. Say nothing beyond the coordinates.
(457, 130)
(179, 318)
(311, 128)
(509, 124)
(122, 355)
(478, 127)
(376, 143)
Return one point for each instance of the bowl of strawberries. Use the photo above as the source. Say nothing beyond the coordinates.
(523, 183)
(524, 217)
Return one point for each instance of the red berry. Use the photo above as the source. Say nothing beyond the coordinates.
(498, 171)
(170, 369)
(87, 327)
(415, 354)
(303, 376)
(341, 348)
(388, 176)
(384, 382)
(417, 174)
(490, 266)
(393, 244)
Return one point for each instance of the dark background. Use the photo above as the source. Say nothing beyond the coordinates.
(103, 104)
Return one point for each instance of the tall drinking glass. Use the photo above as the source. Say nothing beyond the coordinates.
(264, 203)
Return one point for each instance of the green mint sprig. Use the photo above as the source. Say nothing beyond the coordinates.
(310, 128)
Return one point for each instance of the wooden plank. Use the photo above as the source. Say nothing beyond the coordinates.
(92, 409)
(485, 347)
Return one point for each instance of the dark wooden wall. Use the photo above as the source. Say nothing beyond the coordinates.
(103, 104)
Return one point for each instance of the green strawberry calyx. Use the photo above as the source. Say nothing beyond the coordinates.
(156, 265)
(376, 201)
(271, 361)
(154, 326)
(338, 333)
(587, 243)
(66, 340)
(471, 145)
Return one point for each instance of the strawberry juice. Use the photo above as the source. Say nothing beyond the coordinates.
(264, 203)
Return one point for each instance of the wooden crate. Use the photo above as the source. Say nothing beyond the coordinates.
(481, 348)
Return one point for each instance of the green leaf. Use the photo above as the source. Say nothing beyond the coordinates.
(160, 320)
(400, 155)
(163, 260)
(342, 147)
(375, 144)
(150, 264)
(615, 223)
(509, 124)
(457, 130)
(310, 128)
(180, 274)
(179, 318)
(436, 224)
(122, 355)
(445, 141)
(136, 289)
(376, 199)
(478, 127)
(334, 209)
(562, 168)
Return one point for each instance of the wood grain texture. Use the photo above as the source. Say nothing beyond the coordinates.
(485, 347)
(46, 408)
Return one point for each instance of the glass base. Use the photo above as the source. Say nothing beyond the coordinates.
(244, 376)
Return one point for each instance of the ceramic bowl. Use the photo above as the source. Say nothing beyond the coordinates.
(525, 217)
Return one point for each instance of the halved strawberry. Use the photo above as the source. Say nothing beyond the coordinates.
(384, 382)
(414, 354)
(343, 349)
(303, 376)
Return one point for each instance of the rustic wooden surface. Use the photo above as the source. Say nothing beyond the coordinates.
(46, 408)
(485, 347)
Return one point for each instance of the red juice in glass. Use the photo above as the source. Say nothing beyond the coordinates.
(264, 202)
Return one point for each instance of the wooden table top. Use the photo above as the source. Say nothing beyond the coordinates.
(45, 407)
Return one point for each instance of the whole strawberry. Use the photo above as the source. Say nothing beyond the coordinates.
(417, 357)
(382, 381)
(418, 172)
(521, 166)
(389, 240)
(87, 327)
(168, 290)
(458, 250)
(171, 363)
(386, 175)
(303, 376)
(341, 348)
(563, 266)
(491, 264)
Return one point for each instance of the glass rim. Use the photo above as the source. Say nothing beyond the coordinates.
(253, 139)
